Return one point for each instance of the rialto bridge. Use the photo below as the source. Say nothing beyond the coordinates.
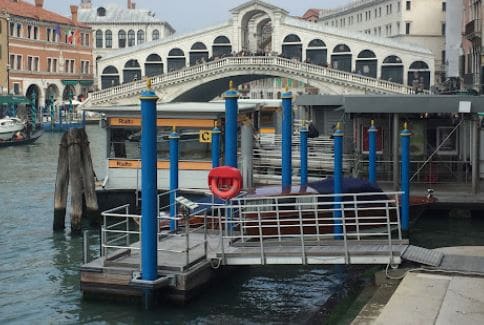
(262, 41)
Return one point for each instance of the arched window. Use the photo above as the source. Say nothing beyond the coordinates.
(292, 47)
(131, 38)
(141, 37)
(109, 77)
(131, 71)
(198, 53)
(392, 69)
(101, 11)
(341, 58)
(291, 38)
(221, 46)
(418, 76)
(366, 64)
(122, 38)
(99, 39)
(176, 59)
(155, 35)
(316, 52)
(153, 65)
(109, 39)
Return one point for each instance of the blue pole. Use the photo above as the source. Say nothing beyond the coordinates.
(215, 147)
(231, 112)
(405, 208)
(174, 156)
(286, 141)
(34, 108)
(149, 259)
(338, 180)
(304, 156)
(372, 132)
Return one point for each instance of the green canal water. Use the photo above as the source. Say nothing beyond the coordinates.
(39, 269)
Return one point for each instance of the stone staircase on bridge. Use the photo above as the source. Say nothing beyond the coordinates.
(170, 84)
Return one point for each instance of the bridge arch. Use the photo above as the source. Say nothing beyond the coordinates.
(366, 63)
(419, 75)
(292, 47)
(341, 58)
(221, 46)
(131, 71)
(176, 59)
(30, 91)
(198, 53)
(153, 65)
(256, 29)
(316, 52)
(392, 69)
(69, 92)
(109, 77)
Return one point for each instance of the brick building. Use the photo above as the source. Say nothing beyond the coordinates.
(3, 52)
(49, 54)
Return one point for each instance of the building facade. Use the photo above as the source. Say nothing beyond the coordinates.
(50, 56)
(472, 67)
(115, 27)
(4, 67)
(420, 22)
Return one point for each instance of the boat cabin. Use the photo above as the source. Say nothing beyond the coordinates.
(192, 121)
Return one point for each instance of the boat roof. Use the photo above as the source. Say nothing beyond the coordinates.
(175, 110)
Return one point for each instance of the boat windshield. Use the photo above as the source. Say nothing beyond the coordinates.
(126, 143)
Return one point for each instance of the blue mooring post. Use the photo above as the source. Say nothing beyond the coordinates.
(33, 109)
(215, 147)
(338, 180)
(304, 155)
(149, 259)
(405, 208)
(372, 132)
(174, 156)
(286, 141)
(231, 112)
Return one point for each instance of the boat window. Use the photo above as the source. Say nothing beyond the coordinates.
(125, 143)
(190, 147)
(287, 203)
(267, 119)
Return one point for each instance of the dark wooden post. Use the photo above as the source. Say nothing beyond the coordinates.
(87, 172)
(61, 185)
(74, 153)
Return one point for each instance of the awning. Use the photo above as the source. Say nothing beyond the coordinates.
(14, 100)
(86, 82)
(69, 82)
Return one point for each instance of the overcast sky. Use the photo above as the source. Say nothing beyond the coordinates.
(187, 15)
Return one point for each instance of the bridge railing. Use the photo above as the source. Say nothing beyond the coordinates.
(264, 61)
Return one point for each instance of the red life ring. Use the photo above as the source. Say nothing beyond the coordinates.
(225, 182)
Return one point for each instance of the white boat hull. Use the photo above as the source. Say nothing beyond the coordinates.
(8, 128)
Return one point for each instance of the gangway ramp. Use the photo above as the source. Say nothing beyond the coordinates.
(329, 252)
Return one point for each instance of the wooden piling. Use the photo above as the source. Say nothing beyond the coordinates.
(61, 185)
(87, 172)
(74, 153)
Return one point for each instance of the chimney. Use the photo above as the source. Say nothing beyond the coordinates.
(74, 14)
(130, 4)
(39, 3)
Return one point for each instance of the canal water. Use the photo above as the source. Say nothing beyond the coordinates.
(39, 269)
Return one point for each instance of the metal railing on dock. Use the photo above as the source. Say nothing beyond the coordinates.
(292, 229)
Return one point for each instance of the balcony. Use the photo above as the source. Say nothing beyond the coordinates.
(473, 29)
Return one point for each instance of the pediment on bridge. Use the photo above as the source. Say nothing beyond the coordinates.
(257, 4)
